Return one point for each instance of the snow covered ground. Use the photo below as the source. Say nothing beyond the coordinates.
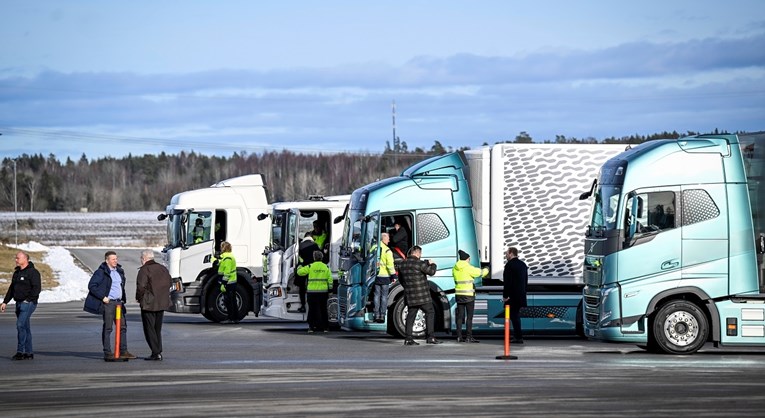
(51, 232)
(72, 280)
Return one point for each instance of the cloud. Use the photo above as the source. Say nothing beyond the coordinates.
(462, 100)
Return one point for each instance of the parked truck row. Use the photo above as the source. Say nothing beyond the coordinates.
(693, 203)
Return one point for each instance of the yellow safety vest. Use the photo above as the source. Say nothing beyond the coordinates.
(464, 274)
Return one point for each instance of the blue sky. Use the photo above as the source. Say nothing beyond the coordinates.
(109, 78)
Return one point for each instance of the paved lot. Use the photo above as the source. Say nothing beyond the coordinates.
(264, 367)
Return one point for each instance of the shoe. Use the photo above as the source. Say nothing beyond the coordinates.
(109, 357)
(154, 357)
(310, 331)
(433, 340)
(18, 356)
(411, 342)
(326, 330)
(516, 341)
(29, 356)
(301, 309)
(471, 340)
(127, 355)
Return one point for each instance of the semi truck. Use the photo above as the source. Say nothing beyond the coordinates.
(482, 202)
(197, 222)
(671, 260)
(289, 222)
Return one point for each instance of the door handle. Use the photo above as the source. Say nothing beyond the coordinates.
(207, 258)
(669, 264)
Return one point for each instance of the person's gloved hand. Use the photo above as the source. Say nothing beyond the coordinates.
(223, 288)
(393, 278)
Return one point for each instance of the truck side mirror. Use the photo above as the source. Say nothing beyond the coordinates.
(161, 216)
(639, 207)
(262, 216)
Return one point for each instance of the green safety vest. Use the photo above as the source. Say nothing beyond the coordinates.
(227, 267)
(319, 240)
(464, 274)
(319, 277)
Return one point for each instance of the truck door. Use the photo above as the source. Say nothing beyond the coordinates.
(290, 257)
(196, 257)
(651, 249)
(372, 254)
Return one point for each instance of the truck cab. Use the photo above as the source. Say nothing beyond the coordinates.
(670, 257)
(289, 224)
(197, 222)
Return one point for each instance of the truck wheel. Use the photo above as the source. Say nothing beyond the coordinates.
(398, 313)
(216, 303)
(679, 327)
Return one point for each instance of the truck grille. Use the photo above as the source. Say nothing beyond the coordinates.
(591, 309)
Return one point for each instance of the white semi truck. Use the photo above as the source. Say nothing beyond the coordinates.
(197, 222)
(289, 223)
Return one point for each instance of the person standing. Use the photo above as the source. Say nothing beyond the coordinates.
(305, 257)
(385, 273)
(414, 279)
(761, 259)
(319, 234)
(516, 279)
(319, 285)
(400, 237)
(25, 290)
(153, 294)
(227, 270)
(464, 289)
(106, 294)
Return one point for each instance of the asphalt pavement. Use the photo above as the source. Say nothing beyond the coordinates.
(266, 367)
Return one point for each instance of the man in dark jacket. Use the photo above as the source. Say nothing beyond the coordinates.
(106, 294)
(516, 278)
(413, 274)
(305, 254)
(153, 293)
(24, 289)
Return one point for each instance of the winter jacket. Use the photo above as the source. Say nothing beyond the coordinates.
(25, 285)
(98, 288)
(464, 273)
(227, 267)
(319, 277)
(153, 278)
(413, 276)
(516, 278)
(400, 239)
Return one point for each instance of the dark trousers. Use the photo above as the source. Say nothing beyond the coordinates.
(152, 329)
(302, 285)
(462, 309)
(318, 319)
(515, 319)
(230, 296)
(110, 315)
(430, 314)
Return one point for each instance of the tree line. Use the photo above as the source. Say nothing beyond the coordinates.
(147, 182)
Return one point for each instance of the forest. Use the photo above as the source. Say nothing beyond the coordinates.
(147, 182)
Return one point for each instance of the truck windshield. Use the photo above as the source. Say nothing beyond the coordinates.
(604, 209)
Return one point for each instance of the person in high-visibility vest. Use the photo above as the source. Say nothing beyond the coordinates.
(198, 232)
(385, 274)
(319, 285)
(227, 270)
(464, 289)
(319, 234)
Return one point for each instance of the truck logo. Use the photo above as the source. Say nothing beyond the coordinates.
(592, 245)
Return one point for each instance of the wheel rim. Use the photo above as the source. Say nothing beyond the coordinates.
(681, 328)
(221, 303)
(419, 321)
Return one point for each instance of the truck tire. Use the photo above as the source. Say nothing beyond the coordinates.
(679, 327)
(398, 314)
(216, 304)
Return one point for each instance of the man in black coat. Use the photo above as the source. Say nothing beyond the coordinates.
(25, 290)
(413, 274)
(516, 278)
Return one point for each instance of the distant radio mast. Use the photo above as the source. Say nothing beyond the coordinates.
(394, 121)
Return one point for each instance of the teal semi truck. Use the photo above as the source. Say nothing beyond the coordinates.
(671, 259)
(479, 201)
